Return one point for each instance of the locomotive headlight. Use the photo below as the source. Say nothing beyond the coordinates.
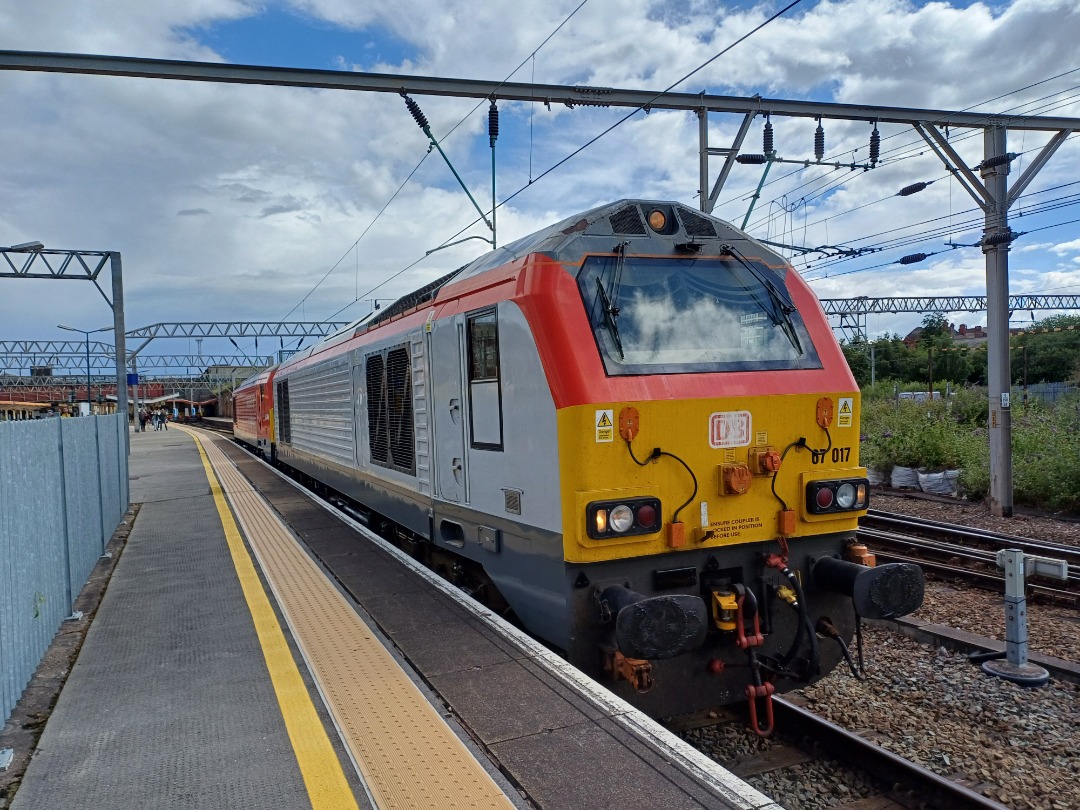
(657, 219)
(622, 518)
(601, 521)
(845, 496)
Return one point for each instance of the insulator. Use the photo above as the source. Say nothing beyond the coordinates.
(751, 159)
(417, 114)
(875, 146)
(913, 258)
(998, 160)
(1002, 238)
(493, 123)
(767, 138)
(914, 188)
(819, 141)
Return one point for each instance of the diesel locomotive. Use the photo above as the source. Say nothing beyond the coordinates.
(633, 432)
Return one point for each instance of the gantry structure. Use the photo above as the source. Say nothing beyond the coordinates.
(851, 312)
(986, 182)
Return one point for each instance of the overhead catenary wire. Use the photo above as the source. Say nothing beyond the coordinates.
(353, 246)
(636, 110)
(971, 223)
(607, 130)
(919, 146)
(914, 188)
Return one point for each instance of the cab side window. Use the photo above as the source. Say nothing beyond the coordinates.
(485, 400)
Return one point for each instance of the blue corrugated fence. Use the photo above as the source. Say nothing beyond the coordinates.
(63, 492)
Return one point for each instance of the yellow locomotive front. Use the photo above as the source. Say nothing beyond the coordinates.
(709, 475)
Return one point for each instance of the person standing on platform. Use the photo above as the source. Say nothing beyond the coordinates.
(143, 416)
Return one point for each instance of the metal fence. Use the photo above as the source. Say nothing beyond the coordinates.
(1049, 393)
(63, 492)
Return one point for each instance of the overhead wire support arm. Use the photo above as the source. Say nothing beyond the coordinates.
(422, 122)
(943, 149)
(707, 203)
(1035, 166)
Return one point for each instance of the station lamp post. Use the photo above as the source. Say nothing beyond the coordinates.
(87, 333)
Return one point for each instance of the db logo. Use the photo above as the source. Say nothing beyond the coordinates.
(729, 429)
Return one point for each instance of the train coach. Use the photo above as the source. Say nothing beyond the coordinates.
(632, 431)
(253, 411)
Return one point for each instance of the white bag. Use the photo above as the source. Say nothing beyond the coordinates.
(905, 478)
(940, 483)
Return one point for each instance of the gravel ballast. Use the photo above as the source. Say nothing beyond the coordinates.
(1016, 745)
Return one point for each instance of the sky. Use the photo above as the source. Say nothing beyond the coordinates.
(243, 203)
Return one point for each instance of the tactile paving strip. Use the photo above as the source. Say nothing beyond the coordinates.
(407, 754)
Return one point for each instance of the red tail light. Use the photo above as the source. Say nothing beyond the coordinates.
(842, 495)
(623, 518)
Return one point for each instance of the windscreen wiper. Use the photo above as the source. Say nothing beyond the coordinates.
(781, 303)
(610, 314)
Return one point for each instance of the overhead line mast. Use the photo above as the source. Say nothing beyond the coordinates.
(990, 190)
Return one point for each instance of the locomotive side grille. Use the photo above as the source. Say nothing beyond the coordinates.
(377, 416)
(420, 411)
(321, 410)
(696, 225)
(627, 220)
(512, 501)
(285, 427)
(400, 409)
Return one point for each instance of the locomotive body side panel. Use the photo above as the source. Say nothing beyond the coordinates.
(496, 459)
(327, 416)
(265, 411)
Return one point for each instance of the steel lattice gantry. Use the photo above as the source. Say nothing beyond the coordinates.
(853, 311)
(989, 188)
(69, 355)
(237, 329)
(34, 260)
(77, 361)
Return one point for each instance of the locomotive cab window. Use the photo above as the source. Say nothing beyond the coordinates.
(485, 401)
(692, 314)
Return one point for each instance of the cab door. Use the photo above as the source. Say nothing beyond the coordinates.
(446, 342)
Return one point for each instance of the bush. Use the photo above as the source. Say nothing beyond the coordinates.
(910, 434)
(952, 433)
(1046, 456)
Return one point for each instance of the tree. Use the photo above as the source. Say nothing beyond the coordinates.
(857, 354)
(1050, 356)
(934, 325)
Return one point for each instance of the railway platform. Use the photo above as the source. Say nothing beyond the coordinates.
(256, 649)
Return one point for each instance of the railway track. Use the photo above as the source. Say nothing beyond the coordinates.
(804, 737)
(956, 552)
(809, 738)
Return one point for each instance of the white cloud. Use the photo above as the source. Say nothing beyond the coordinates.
(1063, 248)
(231, 202)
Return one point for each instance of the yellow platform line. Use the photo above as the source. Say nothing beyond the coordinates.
(408, 756)
(323, 776)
